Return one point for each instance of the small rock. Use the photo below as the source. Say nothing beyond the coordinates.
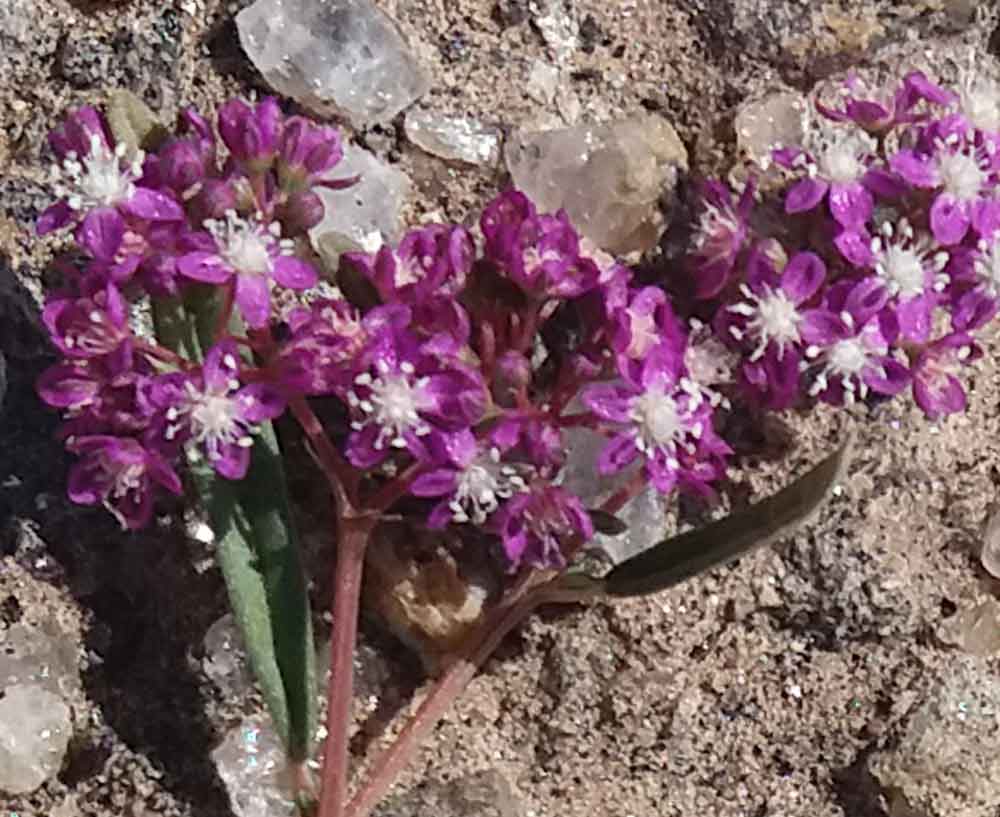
(557, 28)
(990, 555)
(645, 514)
(364, 216)
(457, 139)
(609, 178)
(776, 120)
(251, 764)
(35, 729)
(975, 630)
(225, 660)
(341, 57)
(40, 656)
(543, 79)
(945, 757)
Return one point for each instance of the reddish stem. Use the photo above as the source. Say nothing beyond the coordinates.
(162, 353)
(353, 538)
(226, 312)
(437, 701)
(337, 470)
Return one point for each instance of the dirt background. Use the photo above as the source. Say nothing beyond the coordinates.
(814, 679)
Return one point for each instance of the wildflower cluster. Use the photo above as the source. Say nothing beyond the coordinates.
(460, 369)
(888, 257)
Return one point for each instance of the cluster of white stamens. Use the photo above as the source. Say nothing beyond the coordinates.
(102, 178)
(248, 245)
(393, 403)
(844, 361)
(838, 155)
(902, 259)
(481, 485)
(773, 317)
(213, 417)
(661, 421)
(961, 173)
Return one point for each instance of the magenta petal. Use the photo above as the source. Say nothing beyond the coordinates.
(986, 216)
(607, 402)
(865, 299)
(949, 219)
(360, 449)
(101, 233)
(805, 195)
(260, 402)
(850, 204)
(294, 273)
(206, 267)
(231, 461)
(82, 485)
(160, 472)
(438, 482)
(221, 367)
(55, 216)
(943, 395)
(152, 205)
(820, 327)
(617, 454)
(66, 386)
(883, 183)
(803, 276)
(973, 311)
(918, 170)
(896, 378)
(855, 247)
(253, 297)
(915, 318)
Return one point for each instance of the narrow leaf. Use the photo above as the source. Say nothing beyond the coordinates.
(257, 549)
(607, 523)
(696, 551)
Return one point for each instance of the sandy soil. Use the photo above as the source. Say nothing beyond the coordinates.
(779, 686)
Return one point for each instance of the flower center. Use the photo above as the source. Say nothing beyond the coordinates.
(481, 486)
(125, 479)
(903, 271)
(659, 421)
(773, 317)
(100, 180)
(394, 403)
(961, 176)
(244, 245)
(847, 357)
(214, 421)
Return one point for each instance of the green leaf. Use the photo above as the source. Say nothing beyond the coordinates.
(259, 557)
(257, 549)
(133, 123)
(696, 551)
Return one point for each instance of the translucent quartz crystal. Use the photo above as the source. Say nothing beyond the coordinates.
(341, 57)
(609, 178)
(454, 138)
(35, 729)
(251, 764)
(364, 216)
(773, 121)
(225, 660)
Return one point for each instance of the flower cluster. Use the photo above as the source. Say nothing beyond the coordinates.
(887, 262)
(157, 226)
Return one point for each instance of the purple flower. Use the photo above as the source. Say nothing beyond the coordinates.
(721, 233)
(537, 526)
(962, 174)
(850, 339)
(936, 387)
(433, 259)
(530, 439)
(878, 112)
(409, 394)
(539, 252)
(120, 474)
(836, 168)
(252, 254)
(910, 266)
(644, 323)
(306, 153)
(251, 133)
(660, 417)
(211, 412)
(89, 326)
(97, 176)
(470, 480)
(772, 317)
(975, 284)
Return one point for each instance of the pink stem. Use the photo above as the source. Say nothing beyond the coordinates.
(353, 533)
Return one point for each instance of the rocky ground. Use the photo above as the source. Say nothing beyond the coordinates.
(849, 672)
